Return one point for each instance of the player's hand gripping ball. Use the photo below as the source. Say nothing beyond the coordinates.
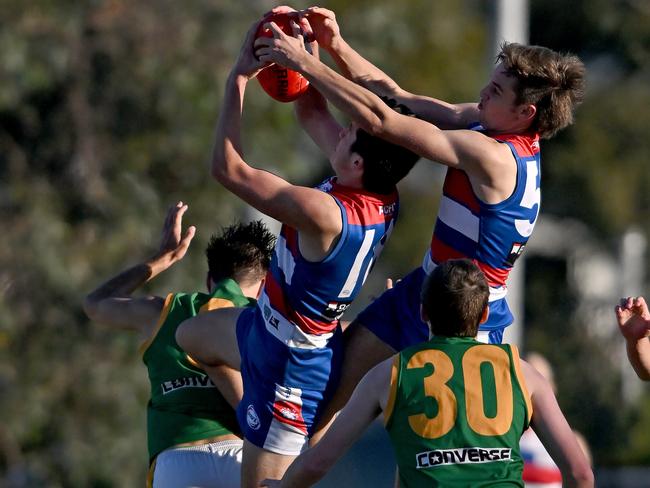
(282, 84)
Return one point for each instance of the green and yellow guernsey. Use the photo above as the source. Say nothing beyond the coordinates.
(455, 413)
(185, 406)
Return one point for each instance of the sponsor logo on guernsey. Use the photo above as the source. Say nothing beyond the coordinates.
(387, 209)
(288, 413)
(465, 455)
(252, 419)
(516, 251)
(188, 382)
(335, 310)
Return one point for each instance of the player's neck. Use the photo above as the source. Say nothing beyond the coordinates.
(349, 181)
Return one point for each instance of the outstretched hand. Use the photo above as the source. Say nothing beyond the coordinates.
(247, 63)
(633, 318)
(173, 245)
(286, 50)
(317, 23)
(323, 27)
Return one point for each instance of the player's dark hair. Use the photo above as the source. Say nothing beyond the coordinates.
(552, 81)
(454, 296)
(241, 252)
(384, 163)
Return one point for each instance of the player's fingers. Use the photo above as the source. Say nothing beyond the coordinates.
(273, 27)
(295, 29)
(281, 9)
(181, 208)
(189, 235)
(329, 14)
(184, 244)
(261, 42)
(178, 219)
(264, 55)
(643, 307)
(618, 310)
(622, 316)
(389, 283)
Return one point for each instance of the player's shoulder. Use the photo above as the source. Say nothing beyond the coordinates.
(524, 144)
(364, 207)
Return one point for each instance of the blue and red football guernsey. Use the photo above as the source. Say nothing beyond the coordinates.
(314, 295)
(493, 236)
(291, 344)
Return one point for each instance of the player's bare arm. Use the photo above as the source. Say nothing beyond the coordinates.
(367, 402)
(633, 320)
(551, 427)
(316, 119)
(112, 304)
(312, 212)
(358, 69)
(484, 159)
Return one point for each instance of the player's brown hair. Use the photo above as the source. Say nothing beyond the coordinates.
(241, 252)
(384, 163)
(454, 297)
(552, 81)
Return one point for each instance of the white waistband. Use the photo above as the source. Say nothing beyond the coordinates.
(286, 331)
(210, 446)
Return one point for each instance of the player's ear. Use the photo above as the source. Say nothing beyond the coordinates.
(485, 314)
(528, 111)
(357, 164)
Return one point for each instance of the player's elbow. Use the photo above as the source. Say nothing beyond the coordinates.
(315, 470)
(379, 122)
(218, 170)
(581, 476)
(228, 169)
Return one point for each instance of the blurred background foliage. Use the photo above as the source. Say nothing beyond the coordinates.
(107, 110)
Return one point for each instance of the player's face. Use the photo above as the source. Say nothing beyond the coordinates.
(497, 108)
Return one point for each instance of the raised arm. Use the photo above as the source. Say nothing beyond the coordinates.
(306, 209)
(316, 119)
(366, 403)
(482, 157)
(633, 320)
(556, 435)
(358, 69)
(112, 304)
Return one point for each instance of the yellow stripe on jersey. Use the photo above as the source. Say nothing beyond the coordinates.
(215, 303)
(392, 394)
(152, 468)
(191, 360)
(212, 304)
(522, 381)
(161, 320)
